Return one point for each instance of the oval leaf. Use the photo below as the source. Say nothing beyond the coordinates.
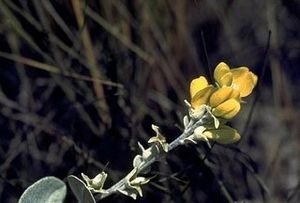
(83, 195)
(45, 190)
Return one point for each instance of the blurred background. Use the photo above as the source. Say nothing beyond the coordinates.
(81, 82)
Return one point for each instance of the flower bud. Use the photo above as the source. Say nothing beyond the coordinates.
(200, 91)
(223, 75)
(223, 135)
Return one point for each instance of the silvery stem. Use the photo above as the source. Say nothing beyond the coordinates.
(188, 131)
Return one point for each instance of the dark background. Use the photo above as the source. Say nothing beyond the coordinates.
(81, 84)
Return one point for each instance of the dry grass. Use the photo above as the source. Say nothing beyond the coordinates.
(81, 82)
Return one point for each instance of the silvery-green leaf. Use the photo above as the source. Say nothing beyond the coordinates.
(185, 121)
(187, 103)
(86, 179)
(216, 120)
(129, 192)
(199, 135)
(159, 138)
(136, 184)
(155, 128)
(133, 184)
(197, 113)
(207, 142)
(45, 190)
(81, 192)
(145, 152)
(140, 159)
(99, 180)
(148, 153)
(139, 181)
(137, 161)
(189, 139)
(141, 147)
(199, 131)
(95, 184)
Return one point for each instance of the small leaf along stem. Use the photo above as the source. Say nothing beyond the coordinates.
(188, 131)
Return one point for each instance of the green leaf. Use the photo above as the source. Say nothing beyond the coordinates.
(45, 190)
(82, 193)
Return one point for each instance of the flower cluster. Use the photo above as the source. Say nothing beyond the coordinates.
(222, 100)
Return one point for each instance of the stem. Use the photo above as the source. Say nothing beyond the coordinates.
(188, 131)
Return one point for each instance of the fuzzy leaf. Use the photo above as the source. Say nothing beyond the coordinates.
(45, 190)
(81, 192)
(159, 138)
(185, 121)
(95, 184)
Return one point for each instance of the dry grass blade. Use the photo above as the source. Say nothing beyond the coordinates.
(14, 24)
(91, 58)
(62, 60)
(54, 69)
(123, 39)
(51, 10)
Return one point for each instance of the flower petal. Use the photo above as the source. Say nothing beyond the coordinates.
(223, 94)
(243, 80)
(197, 85)
(227, 109)
(226, 79)
(202, 96)
(222, 74)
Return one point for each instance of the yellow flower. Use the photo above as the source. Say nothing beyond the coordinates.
(223, 135)
(223, 75)
(225, 102)
(200, 91)
(243, 80)
(240, 79)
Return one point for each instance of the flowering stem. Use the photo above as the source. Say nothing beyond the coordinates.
(188, 131)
